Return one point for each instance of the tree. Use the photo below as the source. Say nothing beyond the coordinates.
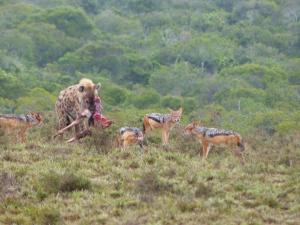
(50, 43)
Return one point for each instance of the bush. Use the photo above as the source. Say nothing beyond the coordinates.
(151, 183)
(53, 182)
(37, 99)
(114, 95)
(72, 21)
(49, 215)
(172, 102)
(203, 190)
(148, 98)
(102, 140)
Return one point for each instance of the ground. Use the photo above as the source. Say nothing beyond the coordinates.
(45, 182)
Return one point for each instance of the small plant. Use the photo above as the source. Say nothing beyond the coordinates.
(203, 191)
(151, 183)
(8, 186)
(46, 216)
(3, 139)
(186, 205)
(102, 140)
(53, 182)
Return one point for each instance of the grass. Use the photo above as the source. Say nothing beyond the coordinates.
(47, 182)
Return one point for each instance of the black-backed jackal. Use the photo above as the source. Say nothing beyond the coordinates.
(129, 136)
(16, 126)
(163, 122)
(213, 136)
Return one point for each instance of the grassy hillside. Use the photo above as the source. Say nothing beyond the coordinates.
(50, 183)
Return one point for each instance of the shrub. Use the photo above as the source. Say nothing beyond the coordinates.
(102, 140)
(3, 139)
(203, 190)
(47, 215)
(172, 102)
(151, 183)
(147, 99)
(53, 182)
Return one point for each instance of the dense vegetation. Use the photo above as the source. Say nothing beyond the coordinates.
(239, 60)
(230, 63)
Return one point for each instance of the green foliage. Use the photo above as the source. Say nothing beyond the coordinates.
(14, 14)
(47, 215)
(10, 86)
(114, 95)
(53, 182)
(176, 80)
(172, 102)
(241, 56)
(189, 104)
(50, 43)
(209, 51)
(268, 121)
(212, 21)
(6, 105)
(38, 99)
(148, 98)
(94, 57)
(72, 21)
(116, 23)
(256, 75)
(18, 45)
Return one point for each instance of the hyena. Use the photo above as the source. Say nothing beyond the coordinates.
(74, 104)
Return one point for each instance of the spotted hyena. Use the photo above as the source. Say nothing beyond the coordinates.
(72, 101)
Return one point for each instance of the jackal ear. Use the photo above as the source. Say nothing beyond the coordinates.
(196, 122)
(98, 86)
(180, 110)
(81, 88)
(171, 110)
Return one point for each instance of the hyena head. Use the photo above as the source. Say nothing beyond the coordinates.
(176, 115)
(88, 90)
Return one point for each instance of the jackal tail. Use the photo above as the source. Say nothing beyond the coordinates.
(240, 143)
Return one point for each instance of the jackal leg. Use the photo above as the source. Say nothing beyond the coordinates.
(205, 149)
(165, 136)
(22, 135)
(239, 154)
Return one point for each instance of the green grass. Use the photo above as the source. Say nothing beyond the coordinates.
(47, 182)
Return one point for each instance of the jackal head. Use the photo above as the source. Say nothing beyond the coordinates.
(188, 130)
(36, 117)
(176, 115)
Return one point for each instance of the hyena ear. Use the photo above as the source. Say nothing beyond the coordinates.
(98, 86)
(81, 88)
